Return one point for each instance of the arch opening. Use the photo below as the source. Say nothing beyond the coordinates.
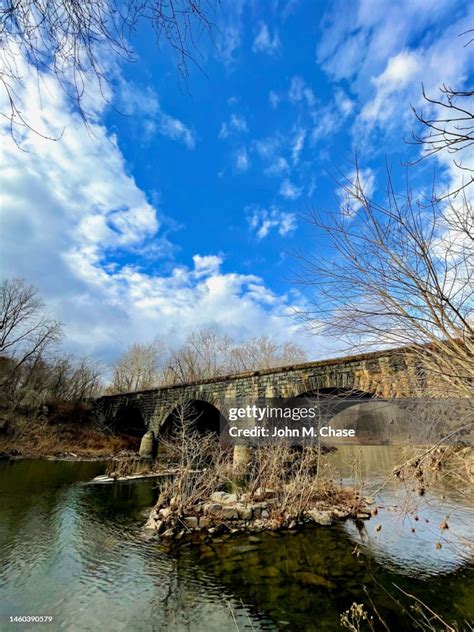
(129, 421)
(200, 415)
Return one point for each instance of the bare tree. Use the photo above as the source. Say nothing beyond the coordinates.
(263, 352)
(26, 329)
(448, 126)
(75, 41)
(140, 367)
(401, 273)
(205, 354)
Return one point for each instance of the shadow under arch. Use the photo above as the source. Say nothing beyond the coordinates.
(203, 416)
(372, 418)
(129, 420)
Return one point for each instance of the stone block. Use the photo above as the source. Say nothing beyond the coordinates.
(150, 524)
(212, 508)
(229, 513)
(320, 517)
(245, 513)
(191, 522)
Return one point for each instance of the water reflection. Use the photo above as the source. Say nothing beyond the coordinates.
(78, 552)
(406, 532)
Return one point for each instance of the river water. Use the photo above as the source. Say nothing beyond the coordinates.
(77, 552)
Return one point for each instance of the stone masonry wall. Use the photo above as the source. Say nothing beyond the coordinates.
(384, 374)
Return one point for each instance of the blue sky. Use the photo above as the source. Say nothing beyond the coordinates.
(181, 204)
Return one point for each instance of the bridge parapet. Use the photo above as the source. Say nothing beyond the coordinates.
(389, 373)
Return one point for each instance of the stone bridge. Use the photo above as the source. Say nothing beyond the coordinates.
(379, 374)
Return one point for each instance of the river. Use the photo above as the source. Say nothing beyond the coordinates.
(77, 552)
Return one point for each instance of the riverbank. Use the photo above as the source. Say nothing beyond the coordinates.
(70, 440)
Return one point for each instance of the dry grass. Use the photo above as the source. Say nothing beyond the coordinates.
(36, 439)
(202, 466)
(293, 482)
(298, 481)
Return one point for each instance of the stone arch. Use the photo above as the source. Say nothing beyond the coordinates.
(344, 408)
(203, 410)
(129, 420)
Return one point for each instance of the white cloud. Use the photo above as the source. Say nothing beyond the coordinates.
(385, 50)
(77, 223)
(176, 130)
(299, 91)
(290, 190)
(242, 162)
(229, 32)
(145, 106)
(237, 124)
(262, 221)
(274, 99)
(269, 150)
(362, 183)
(263, 41)
(343, 103)
(298, 143)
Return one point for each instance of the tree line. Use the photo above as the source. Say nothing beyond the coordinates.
(35, 372)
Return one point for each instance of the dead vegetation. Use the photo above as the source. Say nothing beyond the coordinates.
(281, 488)
(39, 438)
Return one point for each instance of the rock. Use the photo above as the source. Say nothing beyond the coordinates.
(218, 497)
(165, 513)
(204, 522)
(369, 500)
(212, 508)
(340, 514)
(159, 525)
(363, 515)
(243, 548)
(245, 513)
(191, 522)
(169, 533)
(256, 511)
(150, 524)
(311, 579)
(320, 517)
(292, 524)
(265, 515)
(230, 513)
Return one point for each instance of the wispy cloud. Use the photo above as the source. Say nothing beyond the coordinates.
(290, 190)
(242, 161)
(73, 206)
(262, 221)
(236, 124)
(385, 50)
(263, 41)
(300, 91)
(176, 130)
(362, 183)
(145, 106)
(274, 99)
(297, 144)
